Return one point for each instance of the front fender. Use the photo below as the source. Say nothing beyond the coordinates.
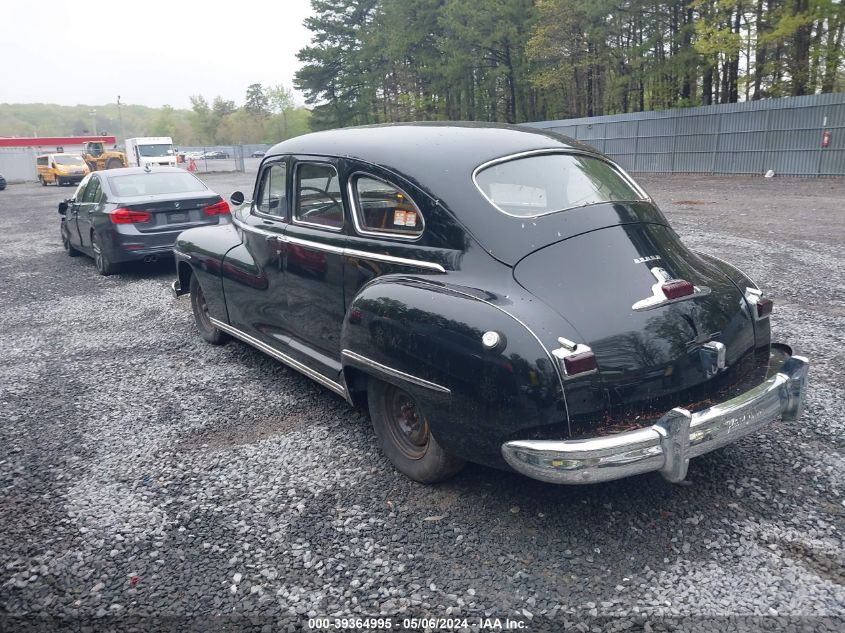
(200, 252)
(427, 340)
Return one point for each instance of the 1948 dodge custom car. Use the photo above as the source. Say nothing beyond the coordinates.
(493, 294)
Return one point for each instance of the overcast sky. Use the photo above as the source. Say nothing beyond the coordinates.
(151, 52)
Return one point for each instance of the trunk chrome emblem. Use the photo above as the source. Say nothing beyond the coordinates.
(658, 298)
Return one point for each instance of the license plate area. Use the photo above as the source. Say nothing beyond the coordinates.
(177, 217)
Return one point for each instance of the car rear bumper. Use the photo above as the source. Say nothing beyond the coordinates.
(668, 445)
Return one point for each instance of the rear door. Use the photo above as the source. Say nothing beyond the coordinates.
(86, 207)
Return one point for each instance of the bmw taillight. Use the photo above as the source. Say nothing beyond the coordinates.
(218, 208)
(126, 216)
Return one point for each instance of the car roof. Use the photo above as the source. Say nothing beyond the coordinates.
(440, 158)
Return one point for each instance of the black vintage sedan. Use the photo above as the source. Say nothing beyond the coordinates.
(130, 214)
(493, 294)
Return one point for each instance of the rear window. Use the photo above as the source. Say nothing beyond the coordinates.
(545, 183)
(155, 183)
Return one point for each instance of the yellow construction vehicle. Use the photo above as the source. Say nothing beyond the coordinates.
(98, 158)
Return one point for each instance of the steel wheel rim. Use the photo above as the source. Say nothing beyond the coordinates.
(406, 424)
(202, 309)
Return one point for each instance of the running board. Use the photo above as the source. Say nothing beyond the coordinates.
(337, 387)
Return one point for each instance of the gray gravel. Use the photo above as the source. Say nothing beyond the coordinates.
(153, 482)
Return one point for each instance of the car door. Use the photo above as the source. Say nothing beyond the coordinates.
(315, 240)
(71, 219)
(86, 208)
(253, 273)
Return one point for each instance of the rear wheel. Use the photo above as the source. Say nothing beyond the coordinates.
(42, 181)
(92, 165)
(101, 258)
(113, 163)
(207, 329)
(405, 436)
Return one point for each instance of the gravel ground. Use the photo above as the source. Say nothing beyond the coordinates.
(153, 482)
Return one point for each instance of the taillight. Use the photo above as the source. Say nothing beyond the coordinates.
(580, 363)
(761, 307)
(218, 208)
(125, 216)
(764, 307)
(677, 288)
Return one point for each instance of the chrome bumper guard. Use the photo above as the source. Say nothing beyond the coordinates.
(176, 289)
(668, 445)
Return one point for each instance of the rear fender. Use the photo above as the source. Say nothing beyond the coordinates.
(427, 339)
(203, 249)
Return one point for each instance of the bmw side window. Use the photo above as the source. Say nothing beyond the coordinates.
(80, 190)
(318, 199)
(384, 209)
(92, 191)
(272, 197)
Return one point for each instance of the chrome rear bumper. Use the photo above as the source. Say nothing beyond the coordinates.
(668, 445)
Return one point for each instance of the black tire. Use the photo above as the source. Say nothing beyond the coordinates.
(92, 166)
(101, 258)
(405, 436)
(69, 249)
(113, 163)
(207, 329)
(42, 181)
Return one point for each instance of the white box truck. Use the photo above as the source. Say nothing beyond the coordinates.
(150, 150)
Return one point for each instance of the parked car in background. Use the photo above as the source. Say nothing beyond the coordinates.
(259, 153)
(215, 154)
(492, 294)
(129, 214)
(2, 182)
(61, 169)
(193, 155)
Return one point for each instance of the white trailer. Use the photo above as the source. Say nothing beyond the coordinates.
(150, 150)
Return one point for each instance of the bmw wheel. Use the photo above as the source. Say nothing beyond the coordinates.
(69, 249)
(405, 436)
(101, 258)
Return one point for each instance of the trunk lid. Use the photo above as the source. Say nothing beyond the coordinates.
(175, 214)
(595, 279)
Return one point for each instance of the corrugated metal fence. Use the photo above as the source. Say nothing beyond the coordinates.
(18, 165)
(800, 136)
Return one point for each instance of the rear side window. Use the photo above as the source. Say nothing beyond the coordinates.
(42, 160)
(272, 194)
(153, 183)
(537, 185)
(318, 199)
(384, 209)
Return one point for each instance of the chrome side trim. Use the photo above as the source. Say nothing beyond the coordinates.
(668, 445)
(356, 220)
(395, 373)
(284, 358)
(346, 252)
(560, 376)
(539, 152)
(390, 259)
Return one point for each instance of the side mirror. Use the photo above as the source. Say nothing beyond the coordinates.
(63, 207)
(237, 198)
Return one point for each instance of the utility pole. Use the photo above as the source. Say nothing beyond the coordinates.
(120, 116)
